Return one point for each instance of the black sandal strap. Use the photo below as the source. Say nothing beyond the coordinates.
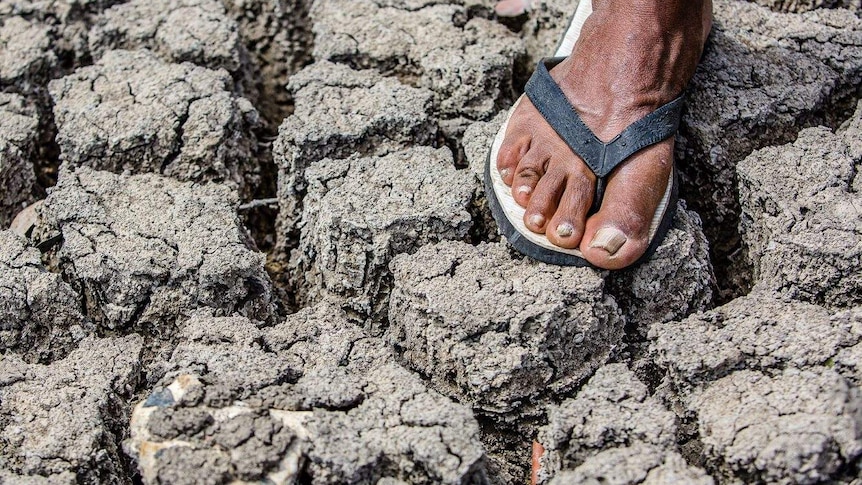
(600, 157)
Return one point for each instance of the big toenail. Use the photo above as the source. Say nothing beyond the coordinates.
(565, 230)
(610, 239)
(504, 173)
(537, 220)
(524, 189)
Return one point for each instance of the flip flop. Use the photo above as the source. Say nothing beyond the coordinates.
(599, 156)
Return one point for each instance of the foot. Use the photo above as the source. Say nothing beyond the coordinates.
(632, 57)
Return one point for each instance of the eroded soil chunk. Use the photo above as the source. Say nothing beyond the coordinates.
(498, 332)
(133, 112)
(313, 392)
(146, 249)
(361, 212)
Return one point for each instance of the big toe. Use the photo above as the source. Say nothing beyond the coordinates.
(619, 233)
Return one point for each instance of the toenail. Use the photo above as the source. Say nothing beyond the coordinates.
(537, 220)
(504, 173)
(610, 239)
(565, 230)
(524, 189)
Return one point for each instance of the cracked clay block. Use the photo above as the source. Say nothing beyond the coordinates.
(145, 249)
(806, 5)
(64, 421)
(132, 112)
(340, 112)
(763, 75)
(675, 282)
(760, 374)
(313, 393)
(497, 332)
(18, 134)
(792, 427)
(39, 313)
(758, 331)
(26, 58)
(467, 62)
(612, 410)
(55, 37)
(636, 464)
(801, 221)
(361, 212)
(196, 31)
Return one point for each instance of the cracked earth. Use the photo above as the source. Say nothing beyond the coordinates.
(230, 259)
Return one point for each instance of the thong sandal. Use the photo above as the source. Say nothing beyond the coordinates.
(600, 157)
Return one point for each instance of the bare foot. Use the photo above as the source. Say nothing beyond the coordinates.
(632, 57)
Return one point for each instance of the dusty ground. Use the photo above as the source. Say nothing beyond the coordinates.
(264, 255)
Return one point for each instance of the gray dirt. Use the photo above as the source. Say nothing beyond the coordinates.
(389, 335)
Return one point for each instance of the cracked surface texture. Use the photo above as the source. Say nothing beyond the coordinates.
(758, 331)
(132, 112)
(145, 250)
(613, 410)
(361, 212)
(801, 223)
(496, 332)
(467, 62)
(196, 31)
(763, 76)
(64, 421)
(760, 375)
(26, 57)
(682, 263)
(142, 339)
(339, 112)
(40, 314)
(638, 464)
(326, 394)
(791, 427)
(18, 133)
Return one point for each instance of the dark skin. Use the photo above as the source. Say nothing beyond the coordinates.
(632, 57)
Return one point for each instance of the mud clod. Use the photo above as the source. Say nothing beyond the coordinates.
(40, 315)
(763, 77)
(759, 373)
(497, 332)
(133, 112)
(63, 422)
(360, 212)
(340, 112)
(18, 135)
(800, 215)
(467, 62)
(196, 31)
(331, 405)
(145, 250)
